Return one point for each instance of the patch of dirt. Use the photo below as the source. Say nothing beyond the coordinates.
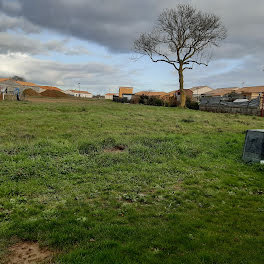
(28, 252)
(53, 93)
(30, 92)
(118, 148)
(69, 99)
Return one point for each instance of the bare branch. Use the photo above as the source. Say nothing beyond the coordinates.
(182, 36)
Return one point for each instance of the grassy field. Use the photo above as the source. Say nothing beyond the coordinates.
(178, 193)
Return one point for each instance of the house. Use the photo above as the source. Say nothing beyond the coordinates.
(9, 86)
(153, 94)
(199, 90)
(110, 96)
(221, 91)
(125, 90)
(78, 93)
(127, 96)
(251, 92)
(177, 95)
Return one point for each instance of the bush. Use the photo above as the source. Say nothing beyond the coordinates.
(191, 104)
(154, 101)
(120, 100)
(135, 99)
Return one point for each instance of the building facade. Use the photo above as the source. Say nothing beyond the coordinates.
(82, 94)
(110, 96)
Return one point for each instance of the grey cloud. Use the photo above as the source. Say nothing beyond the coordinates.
(113, 24)
(116, 23)
(11, 6)
(17, 23)
(22, 44)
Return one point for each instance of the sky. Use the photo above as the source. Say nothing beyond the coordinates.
(65, 42)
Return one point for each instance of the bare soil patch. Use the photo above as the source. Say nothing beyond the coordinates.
(118, 148)
(53, 93)
(30, 92)
(70, 99)
(28, 252)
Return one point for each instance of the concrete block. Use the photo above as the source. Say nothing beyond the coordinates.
(254, 146)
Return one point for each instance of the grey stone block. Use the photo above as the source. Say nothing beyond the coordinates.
(254, 146)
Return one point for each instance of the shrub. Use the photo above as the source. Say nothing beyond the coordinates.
(154, 101)
(120, 100)
(191, 104)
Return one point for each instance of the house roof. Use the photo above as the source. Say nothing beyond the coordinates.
(221, 91)
(252, 89)
(151, 93)
(50, 88)
(26, 83)
(4, 79)
(175, 91)
(77, 91)
(195, 88)
(111, 94)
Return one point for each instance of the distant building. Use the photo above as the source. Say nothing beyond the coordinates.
(78, 93)
(148, 93)
(177, 94)
(110, 96)
(199, 90)
(127, 96)
(251, 92)
(221, 91)
(125, 90)
(9, 86)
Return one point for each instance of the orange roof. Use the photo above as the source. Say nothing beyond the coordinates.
(82, 92)
(172, 93)
(50, 88)
(26, 83)
(221, 91)
(111, 94)
(253, 89)
(151, 93)
(125, 90)
(4, 79)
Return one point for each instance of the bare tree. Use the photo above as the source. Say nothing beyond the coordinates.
(181, 38)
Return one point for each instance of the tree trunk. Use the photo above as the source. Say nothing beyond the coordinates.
(183, 96)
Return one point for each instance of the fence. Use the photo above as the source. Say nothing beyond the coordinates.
(220, 105)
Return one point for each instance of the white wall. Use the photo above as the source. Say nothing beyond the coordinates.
(109, 97)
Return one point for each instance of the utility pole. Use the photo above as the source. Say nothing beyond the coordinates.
(79, 90)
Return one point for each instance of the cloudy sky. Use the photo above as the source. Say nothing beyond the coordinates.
(66, 42)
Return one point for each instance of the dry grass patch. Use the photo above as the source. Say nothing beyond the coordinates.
(118, 148)
(28, 252)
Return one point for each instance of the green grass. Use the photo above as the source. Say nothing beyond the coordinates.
(179, 193)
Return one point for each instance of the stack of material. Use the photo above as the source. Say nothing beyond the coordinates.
(30, 92)
(53, 93)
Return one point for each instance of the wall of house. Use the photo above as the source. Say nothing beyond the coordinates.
(200, 91)
(128, 96)
(12, 85)
(109, 97)
(86, 95)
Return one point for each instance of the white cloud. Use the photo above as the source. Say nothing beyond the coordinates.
(95, 77)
